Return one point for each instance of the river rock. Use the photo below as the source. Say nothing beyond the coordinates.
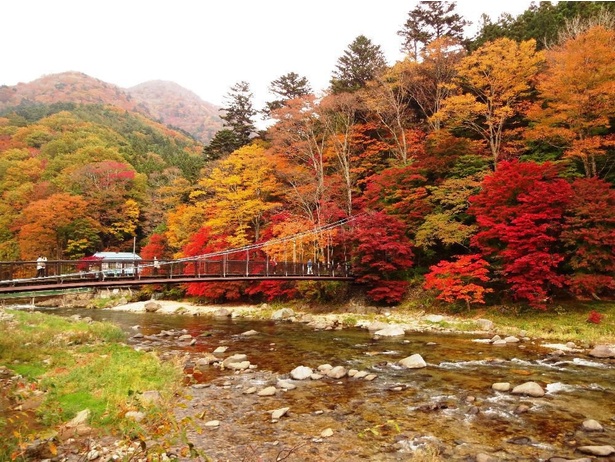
(360, 375)
(282, 314)
(560, 459)
(220, 350)
(591, 425)
(152, 307)
(275, 415)
(601, 451)
(205, 361)
(301, 372)
(212, 424)
(482, 457)
(184, 338)
(236, 358)
(268, 391)
(415, 361)
(249, 333)
(286, 385)
(326, 433)
(391, 331)
(529, 388)
(324, 368)
(377, 325)
(511, 339)
(337, 372)
(501, 386)
(603, 351)
(238, 366)
(316, 376)
(80, 419)
(370, 377)
(222, 313)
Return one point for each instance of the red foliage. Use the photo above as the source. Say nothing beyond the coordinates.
(520, 212)
(594, 317)
(589, 237)
(273, 290)
(399, 191)
(458, 280)
(382, 254)
(202, 243)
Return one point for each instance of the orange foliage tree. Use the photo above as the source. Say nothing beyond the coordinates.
(578, 99)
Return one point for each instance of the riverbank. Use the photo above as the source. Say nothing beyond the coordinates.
(586, 323)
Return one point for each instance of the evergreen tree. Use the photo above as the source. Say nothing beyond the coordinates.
(543, 22)
(287, 87)
(429, 21)
(238, 112)
(360, 63)
(221, 145)
(238, 124)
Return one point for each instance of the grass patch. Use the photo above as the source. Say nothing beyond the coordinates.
(79, 365)
(564, 322)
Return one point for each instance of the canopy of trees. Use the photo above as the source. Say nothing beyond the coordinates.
(483, 169)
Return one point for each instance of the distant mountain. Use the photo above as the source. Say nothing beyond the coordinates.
(166, 102)
(178, 107)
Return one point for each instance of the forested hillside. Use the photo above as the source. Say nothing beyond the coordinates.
(480, 171)
(166, 102)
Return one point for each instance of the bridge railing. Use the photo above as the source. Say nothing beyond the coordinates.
(63, 270)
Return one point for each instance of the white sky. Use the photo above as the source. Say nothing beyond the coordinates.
(205, 46)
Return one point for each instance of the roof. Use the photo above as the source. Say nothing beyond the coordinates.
(117, 256)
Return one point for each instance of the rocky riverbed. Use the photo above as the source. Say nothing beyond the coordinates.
(381, 391)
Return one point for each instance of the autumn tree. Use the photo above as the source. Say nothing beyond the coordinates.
(494, 84)
(588, 234)
(54, 225)
(459, 280)
(578, 100)
(519, 213)
(449, 225)
(239, 193)
(381, 256)
(359, 64)
(298, 144)
(430, 21)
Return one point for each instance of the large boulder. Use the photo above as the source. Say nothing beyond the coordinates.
(603, 351)
(529, 388)
(301, 373)
(152, 307)
(391, 331)
(282, 314)
(415, 361)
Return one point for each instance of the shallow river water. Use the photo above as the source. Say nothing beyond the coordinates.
(448, 407)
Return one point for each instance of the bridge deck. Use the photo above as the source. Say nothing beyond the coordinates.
(69, 274)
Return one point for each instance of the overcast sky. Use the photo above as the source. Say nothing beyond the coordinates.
(205, 46)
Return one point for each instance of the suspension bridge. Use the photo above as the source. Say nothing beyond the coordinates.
(255, 262)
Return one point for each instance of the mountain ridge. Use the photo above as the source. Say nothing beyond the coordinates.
(164, 101)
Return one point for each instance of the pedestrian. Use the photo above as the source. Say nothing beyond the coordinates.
(156, 265)
(309, 267)
(40, 266)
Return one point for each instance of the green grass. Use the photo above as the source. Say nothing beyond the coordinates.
(563, 322)
(79, 366)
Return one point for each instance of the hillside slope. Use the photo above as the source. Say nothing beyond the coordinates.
(166, 102)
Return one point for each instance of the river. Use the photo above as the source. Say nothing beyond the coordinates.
(448, 407)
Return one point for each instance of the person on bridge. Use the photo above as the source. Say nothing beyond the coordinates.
(40, 266)
(309, 267)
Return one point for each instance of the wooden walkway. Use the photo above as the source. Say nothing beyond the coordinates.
(20, 276)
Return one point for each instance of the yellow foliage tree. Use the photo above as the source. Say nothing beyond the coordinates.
(492, 88)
